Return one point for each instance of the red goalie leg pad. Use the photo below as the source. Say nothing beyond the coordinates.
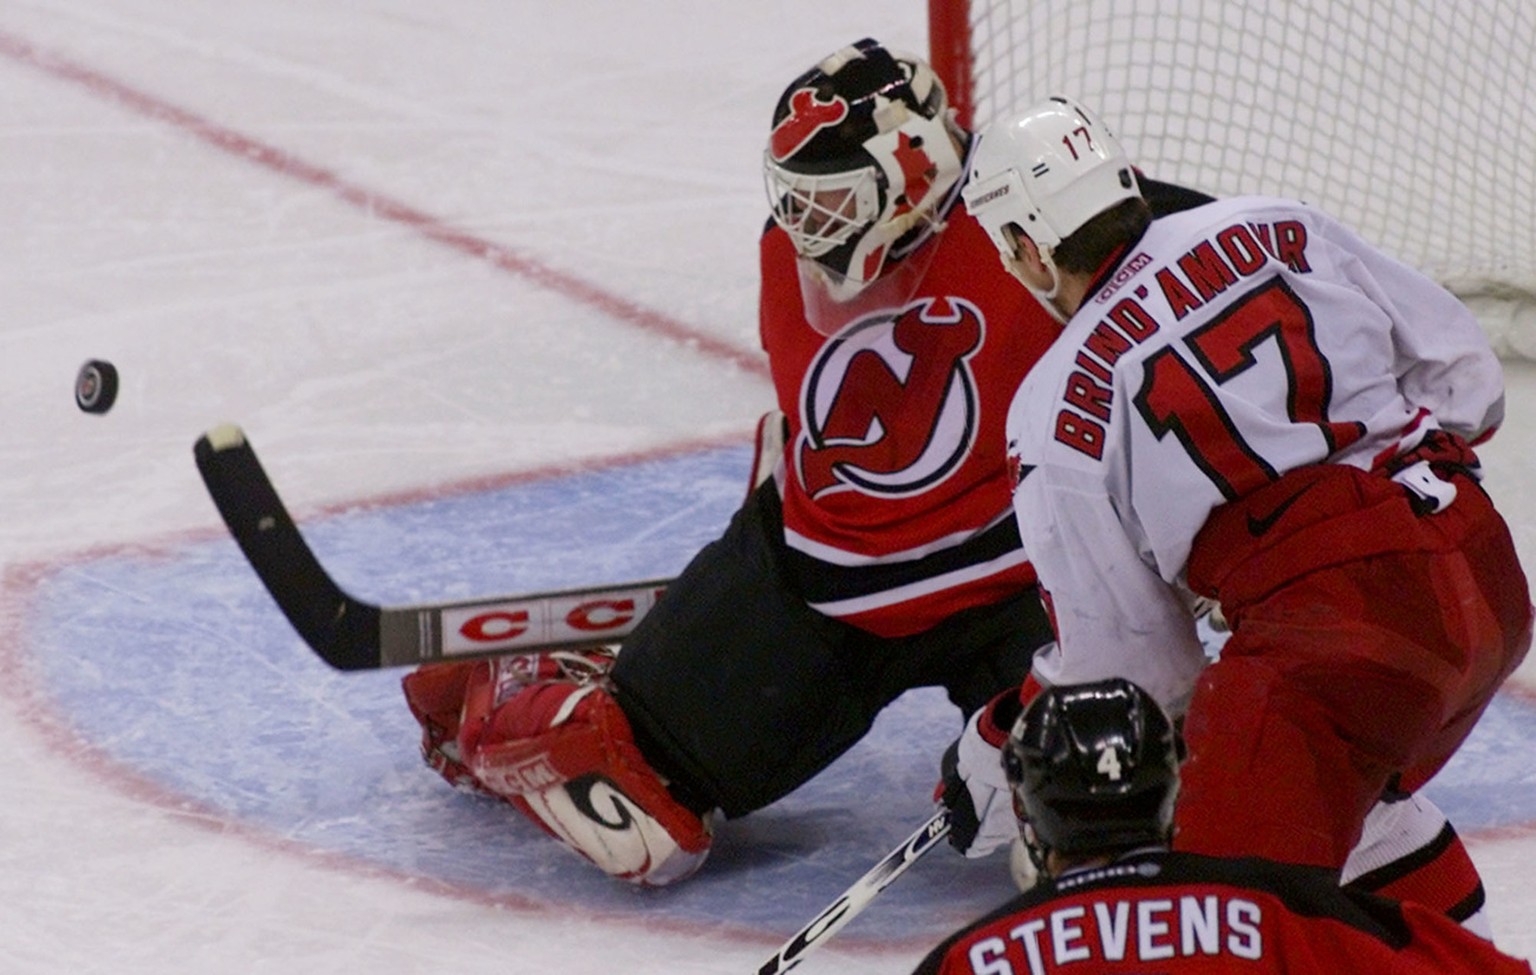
(567, 752)
(435, 694)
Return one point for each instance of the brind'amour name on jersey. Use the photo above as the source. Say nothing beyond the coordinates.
(1195, 278)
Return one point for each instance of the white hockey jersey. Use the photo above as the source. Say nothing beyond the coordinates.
(1234, 342)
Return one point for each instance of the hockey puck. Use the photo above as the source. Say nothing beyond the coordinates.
(96, 386)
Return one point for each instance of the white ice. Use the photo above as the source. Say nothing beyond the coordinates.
(406, 246)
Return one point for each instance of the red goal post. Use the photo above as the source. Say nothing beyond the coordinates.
(1413, 121)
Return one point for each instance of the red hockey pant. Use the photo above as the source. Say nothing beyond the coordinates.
(1367, 640)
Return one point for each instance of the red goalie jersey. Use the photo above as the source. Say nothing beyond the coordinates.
(896, 494)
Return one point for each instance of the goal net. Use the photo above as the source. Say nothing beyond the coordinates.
(1413, 121)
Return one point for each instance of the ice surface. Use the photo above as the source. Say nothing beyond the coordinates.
(479, 282)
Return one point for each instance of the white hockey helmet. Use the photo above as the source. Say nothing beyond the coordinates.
(1047, 170)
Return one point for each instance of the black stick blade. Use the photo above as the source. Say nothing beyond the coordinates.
(342, 630)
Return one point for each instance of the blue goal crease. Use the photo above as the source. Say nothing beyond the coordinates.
(141, 655)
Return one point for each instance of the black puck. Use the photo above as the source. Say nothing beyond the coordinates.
(96, 386)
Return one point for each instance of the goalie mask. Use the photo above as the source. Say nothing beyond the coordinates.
(1094, 769)
(859, 162)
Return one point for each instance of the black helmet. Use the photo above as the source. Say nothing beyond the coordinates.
(861, 154)
(1094, 769)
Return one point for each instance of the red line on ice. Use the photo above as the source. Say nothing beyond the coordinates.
(379, 205)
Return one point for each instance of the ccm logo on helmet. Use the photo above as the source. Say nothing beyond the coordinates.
(515, 624)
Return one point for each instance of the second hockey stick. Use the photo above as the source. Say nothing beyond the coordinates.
(351, 634)
(857, 897)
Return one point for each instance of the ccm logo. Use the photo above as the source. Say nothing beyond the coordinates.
(511, 625)
(534, 774)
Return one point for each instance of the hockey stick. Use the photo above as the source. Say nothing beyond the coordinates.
(350, 634)
(856, 898)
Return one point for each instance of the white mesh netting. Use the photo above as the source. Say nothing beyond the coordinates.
(1413, 121)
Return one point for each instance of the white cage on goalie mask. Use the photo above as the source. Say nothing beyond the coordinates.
(861, 154)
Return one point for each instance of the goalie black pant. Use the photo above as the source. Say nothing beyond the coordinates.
(739, 692)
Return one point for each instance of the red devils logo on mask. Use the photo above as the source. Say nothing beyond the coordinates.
(890, 405)
(917, 170)
(807, 116)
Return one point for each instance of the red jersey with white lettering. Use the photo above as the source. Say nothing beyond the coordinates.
(895, 483)
(1185, 914)
(1233, 343)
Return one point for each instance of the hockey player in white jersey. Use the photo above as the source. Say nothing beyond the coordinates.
(1251, 405)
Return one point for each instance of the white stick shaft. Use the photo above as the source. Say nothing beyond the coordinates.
(857, 897)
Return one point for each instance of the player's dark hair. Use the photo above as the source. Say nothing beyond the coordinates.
(1086, 249)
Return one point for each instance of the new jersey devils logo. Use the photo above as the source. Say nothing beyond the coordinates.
(807, 116)
(890, 406)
